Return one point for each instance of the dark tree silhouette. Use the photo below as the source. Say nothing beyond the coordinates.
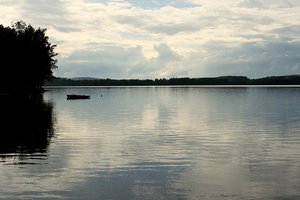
(26, 58)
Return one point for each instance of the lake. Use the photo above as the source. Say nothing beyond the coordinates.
(126, 143)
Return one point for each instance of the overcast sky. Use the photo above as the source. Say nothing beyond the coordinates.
(166, 38)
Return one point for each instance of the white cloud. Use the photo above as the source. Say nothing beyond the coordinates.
(129, 39)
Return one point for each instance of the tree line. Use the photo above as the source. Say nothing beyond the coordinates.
(222, 80)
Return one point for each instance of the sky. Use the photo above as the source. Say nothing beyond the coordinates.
(149, 39)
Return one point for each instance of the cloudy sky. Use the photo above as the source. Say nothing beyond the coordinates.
(166, 38)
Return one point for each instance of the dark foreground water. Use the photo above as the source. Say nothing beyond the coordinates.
(152, 143)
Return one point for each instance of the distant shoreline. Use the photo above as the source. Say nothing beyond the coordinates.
(213, 81)
(49, 87)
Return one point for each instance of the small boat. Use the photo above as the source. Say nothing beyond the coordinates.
(77, 96)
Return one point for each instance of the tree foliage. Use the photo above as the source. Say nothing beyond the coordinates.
(26, 58)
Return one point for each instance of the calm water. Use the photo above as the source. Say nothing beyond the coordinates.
(153, 143)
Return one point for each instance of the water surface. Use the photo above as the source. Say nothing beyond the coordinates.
(153, 143)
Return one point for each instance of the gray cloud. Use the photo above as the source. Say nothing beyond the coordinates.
(46, 12)
(273, 57)
(109, 62)
(155, 25)
(117, 62)
(292, 31)
(265, 4)
(172, 28)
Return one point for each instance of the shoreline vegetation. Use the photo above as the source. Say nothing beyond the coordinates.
(28, 59)
(221, 80)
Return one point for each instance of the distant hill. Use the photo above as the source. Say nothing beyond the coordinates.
(222, 80)
(278, 80)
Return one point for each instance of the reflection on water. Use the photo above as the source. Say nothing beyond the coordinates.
(26, 125)
(166, 143)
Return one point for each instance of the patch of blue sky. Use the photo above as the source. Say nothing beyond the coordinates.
(152, 4)
(100, 1)
(160, 3)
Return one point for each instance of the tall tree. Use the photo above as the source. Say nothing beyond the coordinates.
(26, 58)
